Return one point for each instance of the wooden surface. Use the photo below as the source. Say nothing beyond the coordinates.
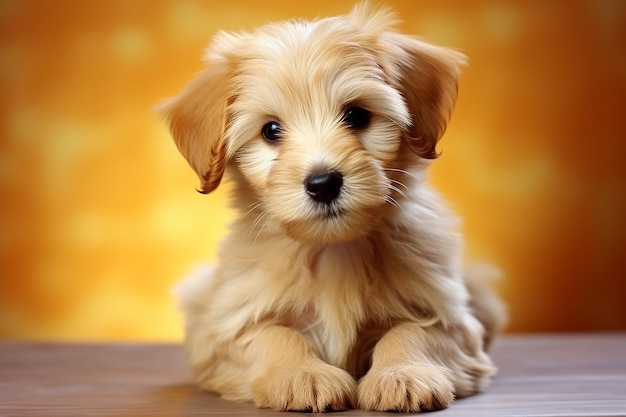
(548, 375)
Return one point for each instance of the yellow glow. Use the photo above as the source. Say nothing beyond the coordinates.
(99, 217)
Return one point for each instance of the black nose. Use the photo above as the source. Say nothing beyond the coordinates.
(324, 187)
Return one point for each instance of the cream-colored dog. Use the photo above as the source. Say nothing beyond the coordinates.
(340, 284)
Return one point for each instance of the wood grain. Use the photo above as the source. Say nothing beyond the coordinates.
(540, 375)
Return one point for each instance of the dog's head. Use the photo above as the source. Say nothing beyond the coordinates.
(318, 118)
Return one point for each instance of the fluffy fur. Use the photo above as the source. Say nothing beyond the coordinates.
(357, 299)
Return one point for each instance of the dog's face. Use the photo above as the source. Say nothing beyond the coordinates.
(319, 118)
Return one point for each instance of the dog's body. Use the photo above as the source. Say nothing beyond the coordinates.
(345, 265)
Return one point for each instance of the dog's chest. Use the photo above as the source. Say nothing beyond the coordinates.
(340, 301)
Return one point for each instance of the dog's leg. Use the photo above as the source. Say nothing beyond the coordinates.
(417, 368)
(484, 303)
(290, 375)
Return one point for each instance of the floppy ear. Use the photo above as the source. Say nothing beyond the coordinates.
(198, 116)
(427, 76)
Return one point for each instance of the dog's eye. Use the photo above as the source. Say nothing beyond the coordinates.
(356, 117)
(271, 132)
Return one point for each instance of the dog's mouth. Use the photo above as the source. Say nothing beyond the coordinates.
(333, 223)
(332, 207)
(331, 212)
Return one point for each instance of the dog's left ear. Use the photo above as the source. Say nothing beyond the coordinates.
(427, 76)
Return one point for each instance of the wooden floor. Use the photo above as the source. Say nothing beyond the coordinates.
(548, 375)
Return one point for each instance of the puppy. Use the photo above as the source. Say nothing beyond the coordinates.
(340, 285)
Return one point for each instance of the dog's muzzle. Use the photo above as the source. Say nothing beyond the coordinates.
(324, 187)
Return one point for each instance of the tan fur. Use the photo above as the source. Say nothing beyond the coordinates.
(358, 303)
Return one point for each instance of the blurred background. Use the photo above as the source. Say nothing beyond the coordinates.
(99, 217)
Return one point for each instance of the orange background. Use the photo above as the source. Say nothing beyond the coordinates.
(98, 213)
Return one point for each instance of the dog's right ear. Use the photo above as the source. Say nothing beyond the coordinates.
(198, 115)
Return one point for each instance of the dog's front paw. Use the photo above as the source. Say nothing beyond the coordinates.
(406, 388)
(312, 387)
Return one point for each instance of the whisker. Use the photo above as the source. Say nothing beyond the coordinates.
(402, 171)
(260, 231)
(396, 189)
(400, 183)
(393, 202)
(251, 208)
(256, 222)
